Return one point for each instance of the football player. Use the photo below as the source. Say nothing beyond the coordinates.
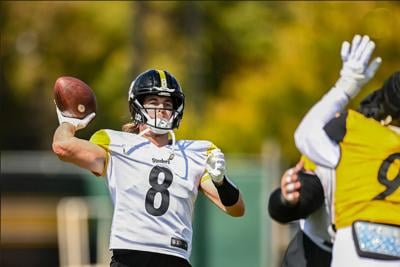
(364, 148)
(153, 180)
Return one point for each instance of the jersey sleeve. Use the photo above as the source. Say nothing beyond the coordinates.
(310, 137)
(102, 139)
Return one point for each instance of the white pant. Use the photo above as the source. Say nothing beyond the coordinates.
(345, 254)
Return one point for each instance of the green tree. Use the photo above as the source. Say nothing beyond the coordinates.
(250, 70)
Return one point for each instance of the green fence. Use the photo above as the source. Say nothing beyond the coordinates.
(221, 240)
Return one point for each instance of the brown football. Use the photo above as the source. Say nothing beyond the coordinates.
(74, 97)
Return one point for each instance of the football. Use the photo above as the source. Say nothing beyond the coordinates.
(73, 97)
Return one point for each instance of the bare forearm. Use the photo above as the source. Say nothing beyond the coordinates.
(235, 209)
(238, 209)
(77, 151)
(64, 141)
(64, 132)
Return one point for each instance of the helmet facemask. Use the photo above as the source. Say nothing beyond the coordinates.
(149, 115)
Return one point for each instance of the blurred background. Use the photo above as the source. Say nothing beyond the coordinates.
(250, 71)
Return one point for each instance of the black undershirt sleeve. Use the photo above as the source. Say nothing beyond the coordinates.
(311, 198)
(336, 127)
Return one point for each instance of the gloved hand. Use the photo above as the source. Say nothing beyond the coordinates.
(216, 166)
(78, 123)
(355, 71)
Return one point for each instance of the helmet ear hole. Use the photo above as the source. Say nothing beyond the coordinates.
(136, 113)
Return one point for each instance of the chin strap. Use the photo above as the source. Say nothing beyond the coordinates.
(145, 131)
(172, 155)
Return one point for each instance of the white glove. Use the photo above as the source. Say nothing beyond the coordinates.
(216, 166)
(78, 123)
(355, 71)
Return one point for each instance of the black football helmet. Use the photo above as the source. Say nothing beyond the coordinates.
(391, 95)
(161, 83)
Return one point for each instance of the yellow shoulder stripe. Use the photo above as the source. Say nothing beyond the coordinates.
(102, 139)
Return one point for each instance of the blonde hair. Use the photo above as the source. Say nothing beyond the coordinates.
(130, 127)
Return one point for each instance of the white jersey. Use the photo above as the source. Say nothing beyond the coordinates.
(316, 225)
(310, 136)
(153, 195)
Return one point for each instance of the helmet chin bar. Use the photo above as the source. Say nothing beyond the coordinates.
(159, 126)
(157, 130)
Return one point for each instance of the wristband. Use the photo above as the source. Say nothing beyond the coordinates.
(227, 191)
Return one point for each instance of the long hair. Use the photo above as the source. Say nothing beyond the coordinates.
(384, 101)
(130, 127)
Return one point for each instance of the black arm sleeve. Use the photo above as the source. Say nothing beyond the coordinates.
(311, 198)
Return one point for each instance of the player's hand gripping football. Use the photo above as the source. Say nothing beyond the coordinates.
(356, 69)
(216, 166)
(78, 123)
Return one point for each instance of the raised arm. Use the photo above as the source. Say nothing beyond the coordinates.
(75, 150)
(310, 137)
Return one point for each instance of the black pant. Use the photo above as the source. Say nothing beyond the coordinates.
(303, 252)
(137, 258)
